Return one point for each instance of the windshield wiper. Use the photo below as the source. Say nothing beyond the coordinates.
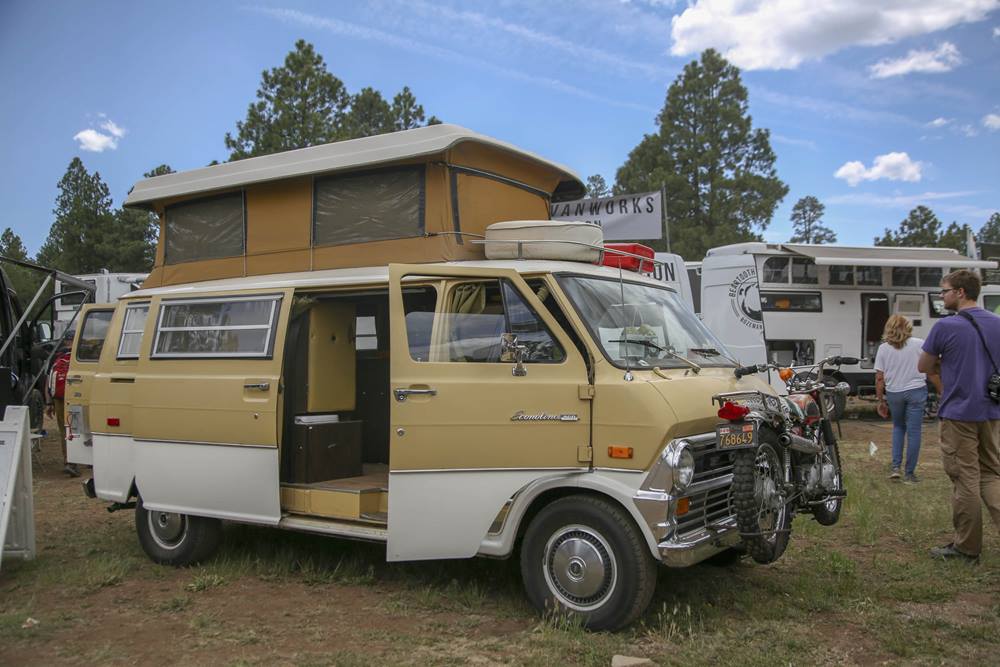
(659, 348)
(711, 352)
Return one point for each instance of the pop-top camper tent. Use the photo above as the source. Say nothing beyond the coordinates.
(415, 196)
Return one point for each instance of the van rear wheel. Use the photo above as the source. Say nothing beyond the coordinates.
(171, 538)
(585, 556)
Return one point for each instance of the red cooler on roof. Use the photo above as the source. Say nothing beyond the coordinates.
(626, 262)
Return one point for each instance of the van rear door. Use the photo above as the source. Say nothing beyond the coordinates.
(88, 345)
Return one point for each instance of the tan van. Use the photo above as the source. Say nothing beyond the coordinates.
(558, 411)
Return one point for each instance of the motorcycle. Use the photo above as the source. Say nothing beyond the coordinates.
(785, 455)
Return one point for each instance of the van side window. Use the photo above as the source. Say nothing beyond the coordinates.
(132, 327)
(232, 327)
(95, 330)
(904, 276)
(796, 302)
(841, 275)
(804, 271)
(776, 270)
(930, 276)
(868, 275)
(476, 314)
(418, 309)
(208, 228)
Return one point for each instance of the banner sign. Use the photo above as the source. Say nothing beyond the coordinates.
(623, 218)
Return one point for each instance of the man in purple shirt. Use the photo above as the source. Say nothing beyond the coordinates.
(970, 420)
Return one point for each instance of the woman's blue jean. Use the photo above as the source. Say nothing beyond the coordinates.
(907, 409)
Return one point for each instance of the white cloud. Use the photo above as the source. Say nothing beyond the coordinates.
(791, 141)
(943, 59)
(991, 122)
(968, 130)
(113, 129)
(97, 142)
(895, 201)
(939, 122)
(996, 32)
(781, 34)
(891, 166)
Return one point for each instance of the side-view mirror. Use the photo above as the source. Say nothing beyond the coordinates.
(43, 331)
(512, 352)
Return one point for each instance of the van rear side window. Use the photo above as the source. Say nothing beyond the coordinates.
(132, 327)
(233, 327)
(95, 330)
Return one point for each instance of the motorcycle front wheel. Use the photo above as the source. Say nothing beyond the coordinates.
(758, 497)
(828, 513)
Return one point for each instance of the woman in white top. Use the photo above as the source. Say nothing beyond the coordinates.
(901, 390)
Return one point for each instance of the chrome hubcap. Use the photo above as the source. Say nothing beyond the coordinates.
(167, 528)
(770, 500)
(579, 567)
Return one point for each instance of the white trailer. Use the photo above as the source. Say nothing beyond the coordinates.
(108, 287)
(793, 304)
(675, 274)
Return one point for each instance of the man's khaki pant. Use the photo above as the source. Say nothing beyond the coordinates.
(971, 454)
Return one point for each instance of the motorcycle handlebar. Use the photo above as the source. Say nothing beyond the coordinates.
(847, 361)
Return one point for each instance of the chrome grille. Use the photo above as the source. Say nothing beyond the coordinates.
(709, 490)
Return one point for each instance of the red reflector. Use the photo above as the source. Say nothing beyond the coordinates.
(732, 412)
(629, 263)
(114, 421)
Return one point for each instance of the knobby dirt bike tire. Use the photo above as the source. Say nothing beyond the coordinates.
(763, 548)
(823, 514)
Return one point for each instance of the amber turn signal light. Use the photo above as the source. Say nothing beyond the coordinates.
(617, 452)
(786, 374)
(683, 505)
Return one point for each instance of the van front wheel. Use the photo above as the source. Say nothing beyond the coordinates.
(171, 538)
(584, 556)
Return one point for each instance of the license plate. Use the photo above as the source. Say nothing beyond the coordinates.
(736, 436)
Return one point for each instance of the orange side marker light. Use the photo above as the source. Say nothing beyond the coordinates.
(619, 452)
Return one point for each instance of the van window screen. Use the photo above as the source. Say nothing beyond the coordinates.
(868, 275)
(205, 229)
(804, 271)
(793, 302)
(776, 270)
(930, 276)
(132, 327)
(237, 327)
(841, 275)
(95, 330)
(904, 276)
(373, 206)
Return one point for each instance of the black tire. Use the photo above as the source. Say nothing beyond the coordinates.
(176, 539)
(762, 512)
(577, 536)
(828, 513)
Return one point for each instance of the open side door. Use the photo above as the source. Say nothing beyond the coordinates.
(467, 428)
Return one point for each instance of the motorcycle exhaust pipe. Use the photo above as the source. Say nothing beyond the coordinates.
(800, 444)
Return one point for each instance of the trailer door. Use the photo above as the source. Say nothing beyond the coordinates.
(467, 427)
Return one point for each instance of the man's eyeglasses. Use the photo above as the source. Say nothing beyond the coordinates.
(950, 289)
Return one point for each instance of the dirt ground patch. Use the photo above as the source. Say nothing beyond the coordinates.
(862, 592)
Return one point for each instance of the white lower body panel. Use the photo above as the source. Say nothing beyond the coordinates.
(113, 458)
(232, 482)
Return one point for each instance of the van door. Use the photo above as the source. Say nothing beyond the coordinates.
(469, 426)
(88, 345)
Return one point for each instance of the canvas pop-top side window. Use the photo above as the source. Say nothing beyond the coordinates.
(210, 228)
(371, 206)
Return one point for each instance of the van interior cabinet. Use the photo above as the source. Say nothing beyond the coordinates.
(323, 448)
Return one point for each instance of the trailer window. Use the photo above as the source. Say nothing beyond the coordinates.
(935, 306)
(235, 327)
(841, 275)
(132, 328)
(804, 271)
(793, 302)
(776, 270)
(373, 206)
(930, 276)
(95, 330)
(904, 276)
(868, 275)
(210, 228)
(992, 303)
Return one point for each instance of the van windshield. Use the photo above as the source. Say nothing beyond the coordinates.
(650, 327)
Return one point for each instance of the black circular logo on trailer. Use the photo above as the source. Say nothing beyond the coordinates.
(744, 298)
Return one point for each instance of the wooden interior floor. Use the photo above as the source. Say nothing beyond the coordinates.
(376, 476)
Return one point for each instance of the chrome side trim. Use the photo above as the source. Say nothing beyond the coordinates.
(437, 470)
(201, 442)
(333, 527)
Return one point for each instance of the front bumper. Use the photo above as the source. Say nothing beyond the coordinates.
(696, 547)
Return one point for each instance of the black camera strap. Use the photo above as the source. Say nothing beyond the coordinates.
(979, 331)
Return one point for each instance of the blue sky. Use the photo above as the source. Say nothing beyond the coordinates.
(873, 107)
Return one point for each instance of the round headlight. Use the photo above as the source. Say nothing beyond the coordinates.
(682, 466)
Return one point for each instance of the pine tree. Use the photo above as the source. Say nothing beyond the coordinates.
(990, 233)
(721, 183)
(299, 104)
(922, 229)
(370, 114)
(24, 281)
(807, 222)
(81, 239)
(597, 187)
(136, 232)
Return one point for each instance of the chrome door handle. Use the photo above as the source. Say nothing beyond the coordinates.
(259, 386)
(401, 394)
